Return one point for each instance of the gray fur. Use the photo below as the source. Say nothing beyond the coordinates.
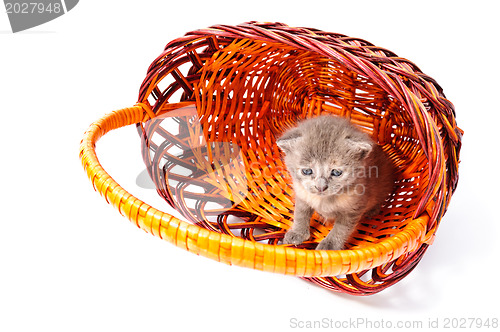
(323, 144)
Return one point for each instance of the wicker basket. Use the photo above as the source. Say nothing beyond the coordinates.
(209, 111)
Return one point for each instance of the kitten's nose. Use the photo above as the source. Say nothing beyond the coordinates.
(321, 187)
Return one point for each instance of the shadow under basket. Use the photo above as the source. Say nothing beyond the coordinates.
(209, 111)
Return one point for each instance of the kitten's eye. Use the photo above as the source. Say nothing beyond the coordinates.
(336, 172)
(307, 171)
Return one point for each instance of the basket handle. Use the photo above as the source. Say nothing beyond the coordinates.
(225, 248)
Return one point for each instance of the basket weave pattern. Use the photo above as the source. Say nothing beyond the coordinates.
(236, 88)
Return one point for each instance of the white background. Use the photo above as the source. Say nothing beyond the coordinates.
(70, 262)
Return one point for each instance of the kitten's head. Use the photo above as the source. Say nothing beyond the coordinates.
(325, 154)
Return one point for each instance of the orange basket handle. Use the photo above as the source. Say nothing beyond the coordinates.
(225, 248)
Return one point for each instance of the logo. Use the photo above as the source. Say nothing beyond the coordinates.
(26, 14)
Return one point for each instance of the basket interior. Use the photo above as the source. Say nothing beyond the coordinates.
(211, 149)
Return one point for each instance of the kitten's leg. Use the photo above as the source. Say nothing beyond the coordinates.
(340, 233)
(300, 228)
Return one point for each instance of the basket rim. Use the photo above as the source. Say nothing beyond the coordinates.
(234, 250)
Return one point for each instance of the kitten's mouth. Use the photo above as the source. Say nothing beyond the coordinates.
(327, 192)
(320, 193)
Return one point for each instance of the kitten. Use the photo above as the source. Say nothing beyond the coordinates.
(337, 171)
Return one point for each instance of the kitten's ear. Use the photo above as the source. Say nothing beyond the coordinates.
(359, 149)
(289, 139)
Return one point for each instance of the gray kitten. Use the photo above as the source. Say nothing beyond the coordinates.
(337, 171)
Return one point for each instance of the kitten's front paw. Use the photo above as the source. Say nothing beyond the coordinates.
(294, 237)
(329, 245)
